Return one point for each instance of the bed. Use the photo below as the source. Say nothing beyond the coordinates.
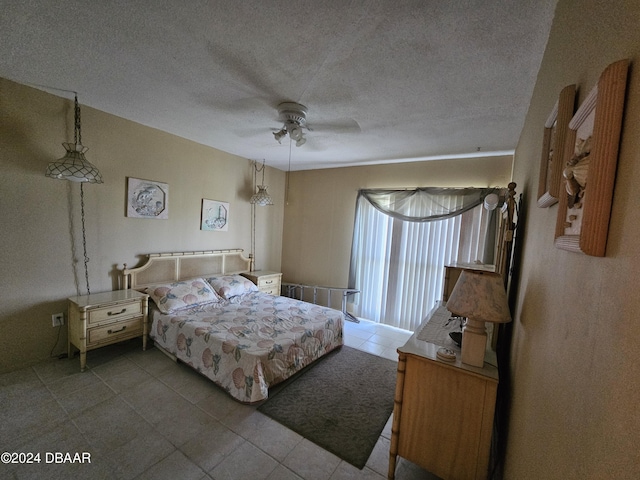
(203, 312)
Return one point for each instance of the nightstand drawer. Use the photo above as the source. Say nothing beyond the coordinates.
(114, 312)
(268, 281)
(120, 330)
(275, 290)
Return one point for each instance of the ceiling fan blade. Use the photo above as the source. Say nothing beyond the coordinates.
(347, 125)
(240, 73)
(256, 132)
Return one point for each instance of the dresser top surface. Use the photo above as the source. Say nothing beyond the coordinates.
(107, 297)
(260, 273)
(433, 334)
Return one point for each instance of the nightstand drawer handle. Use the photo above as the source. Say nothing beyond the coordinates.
(268, 281)
(117, 313)
(116, 331)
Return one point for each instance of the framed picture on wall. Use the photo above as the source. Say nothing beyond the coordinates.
(552, 160)
(147, 199)
(591, 158)
(215, 215)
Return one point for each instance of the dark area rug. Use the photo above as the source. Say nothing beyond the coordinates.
(341, 402)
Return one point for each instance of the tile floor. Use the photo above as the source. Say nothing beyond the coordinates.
(139, 415)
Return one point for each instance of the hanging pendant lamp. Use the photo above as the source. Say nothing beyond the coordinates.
(74, 166)
(261, 197)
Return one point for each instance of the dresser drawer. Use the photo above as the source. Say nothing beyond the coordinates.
(114, 312)
(118, 330)
(275, 290)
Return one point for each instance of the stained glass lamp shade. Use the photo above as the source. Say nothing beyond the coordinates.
(261, 198)
(74, 166)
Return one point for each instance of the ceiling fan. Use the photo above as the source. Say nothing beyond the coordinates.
(293, 116)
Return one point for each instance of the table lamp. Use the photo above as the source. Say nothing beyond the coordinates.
(480, 297)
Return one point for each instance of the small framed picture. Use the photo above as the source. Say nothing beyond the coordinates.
(147, 199)
(555, 134)
(215, 215)
(591, 158)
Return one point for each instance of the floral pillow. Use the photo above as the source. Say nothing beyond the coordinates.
(228, 286)
(171, 297)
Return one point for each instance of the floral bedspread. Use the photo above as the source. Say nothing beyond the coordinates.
(249, 342)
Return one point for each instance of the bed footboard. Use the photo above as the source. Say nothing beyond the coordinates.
(315, 293)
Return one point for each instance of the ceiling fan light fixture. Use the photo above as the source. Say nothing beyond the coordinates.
(294, 116)
(279, 135)
(296, 134)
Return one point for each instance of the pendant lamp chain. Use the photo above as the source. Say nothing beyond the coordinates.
(77, 137)
(288, 175)
(84, 239)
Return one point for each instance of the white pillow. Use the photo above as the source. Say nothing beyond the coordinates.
(228, 286)
(171, 297)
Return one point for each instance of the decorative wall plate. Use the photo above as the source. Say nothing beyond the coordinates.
(147, 199)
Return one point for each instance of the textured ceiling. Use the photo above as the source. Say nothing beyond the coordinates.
(382, 80)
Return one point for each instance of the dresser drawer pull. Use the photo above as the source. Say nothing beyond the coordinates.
(268, 281)
(117, 313)
(116, 331)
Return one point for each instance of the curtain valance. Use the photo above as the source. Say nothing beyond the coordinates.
(425, 204)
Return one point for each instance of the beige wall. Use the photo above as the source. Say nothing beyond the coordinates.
(40, 234)
(320, 210)
(575, 355)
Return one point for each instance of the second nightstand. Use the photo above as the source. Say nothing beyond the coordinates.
(101, 319)
(267, 282)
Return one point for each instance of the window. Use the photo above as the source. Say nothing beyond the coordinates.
(399, 251)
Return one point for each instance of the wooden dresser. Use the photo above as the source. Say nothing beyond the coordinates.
(443, 412)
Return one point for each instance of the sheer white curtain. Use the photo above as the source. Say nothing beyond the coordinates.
(398, 265)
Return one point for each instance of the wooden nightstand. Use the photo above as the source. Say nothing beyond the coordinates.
(101, 319)
(267, 282)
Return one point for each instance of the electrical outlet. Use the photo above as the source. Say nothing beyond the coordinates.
(57, 319)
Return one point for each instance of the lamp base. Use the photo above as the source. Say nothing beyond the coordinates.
(474, 343)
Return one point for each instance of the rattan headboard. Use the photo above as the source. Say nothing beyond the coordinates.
(171, 267)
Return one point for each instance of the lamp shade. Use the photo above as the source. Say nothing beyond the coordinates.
(480, 296)
(74, 166)
(261, 198)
